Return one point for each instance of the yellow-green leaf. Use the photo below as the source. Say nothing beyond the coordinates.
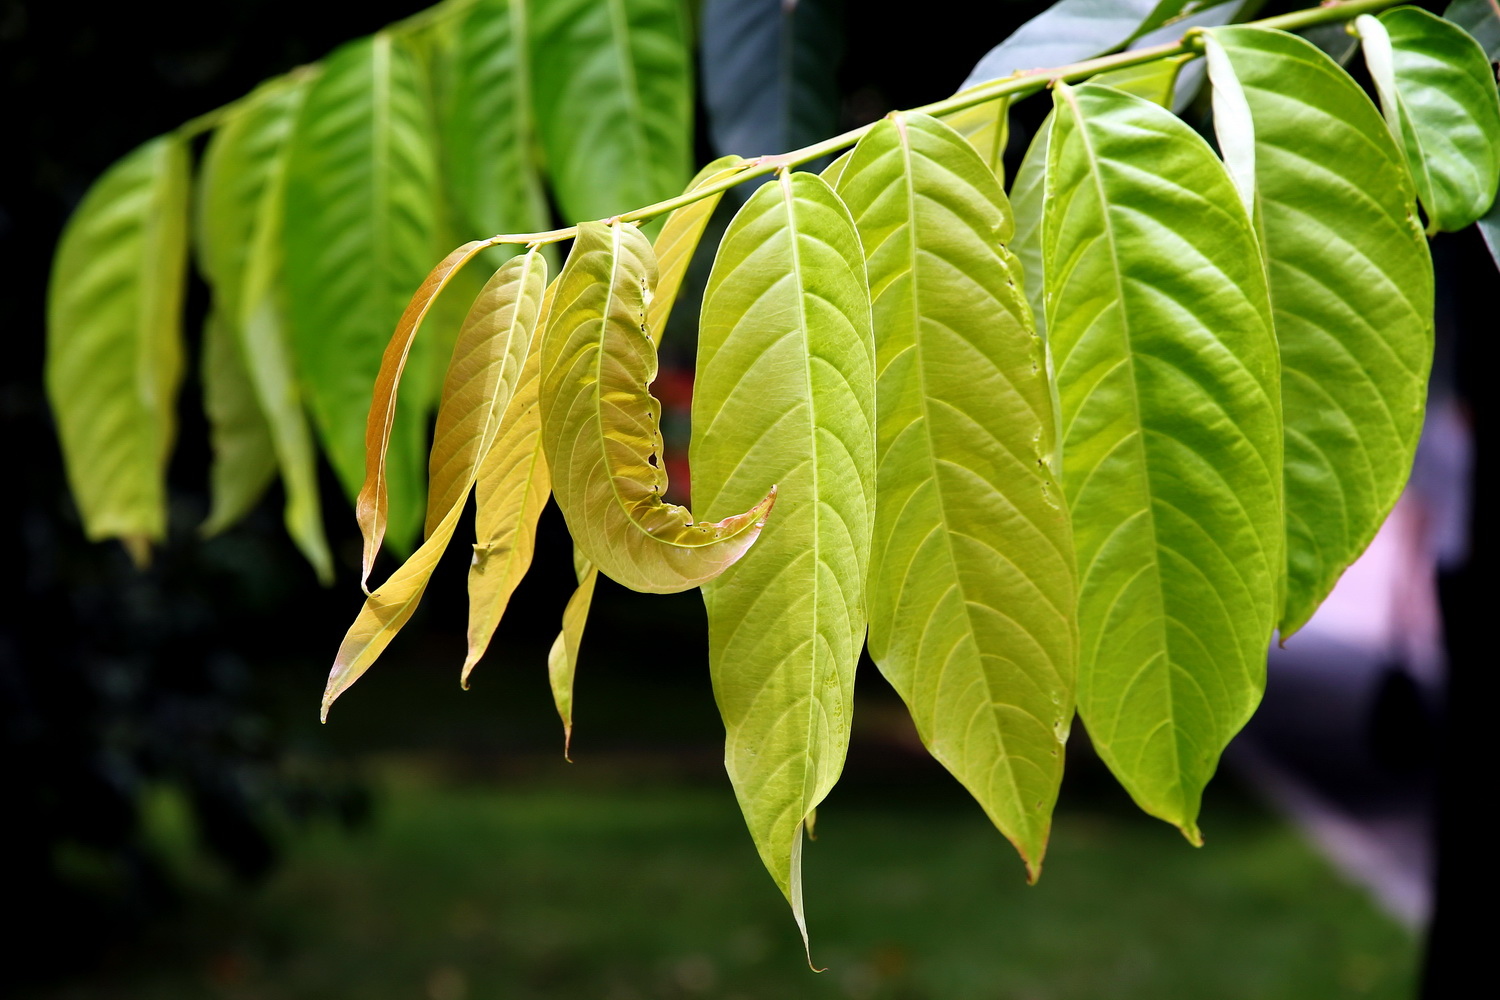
(244, 461)
(114, 342)
(483, 375)
(600, 425)
(972, 583)
(785, 393)
(678, 239)
(562, 658)
(987, 127)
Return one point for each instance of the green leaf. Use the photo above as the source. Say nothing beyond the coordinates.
(244, 460)
(1351, 284)
(678, 239)
(114, 342)
(1159, 325)
(972, 586)
(361, 232)
(239, 240)
(1027, 200)
(1481, 19)
(512, 487)
(614, 102)
(1438, 91)
(785, 393)
(562, 658)
(482, 377)
(987, 127)
(600, 425)
(485, 120)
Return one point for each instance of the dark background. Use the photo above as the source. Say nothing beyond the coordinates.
(204, 671)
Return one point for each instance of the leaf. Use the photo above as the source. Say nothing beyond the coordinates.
(613, 88)
(511, 489)
(114, 342)
(770, 73)
(485, 120)
(244, 461)
(1481, 19)
(1072, 30)
(372, 505)
(239, 240)
(1489, 228)
(1188, 77)
(784, 393)
(600, 425)
(987, 127)
(1351, 284)
(835, 170)
(562, 658)
(481, 380)
(678, 239)
(1438, 91)
(361, 232)
(972, 586)
(1160, 329)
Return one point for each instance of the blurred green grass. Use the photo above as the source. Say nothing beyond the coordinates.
(589, 883)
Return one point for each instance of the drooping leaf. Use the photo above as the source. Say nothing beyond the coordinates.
(486, 124)
(562, 658)
(361, 233)
(1437, 88)
(987, 127)
(1351, 283)
(244, 460)
(770, 73)
(600, 425)
(114, 342)
(972, 585)
(1481, 19)
(1159, 324)
(512, 488)
(678, 239)
(372, 505)
(482, 378)
(240, 218)
(784, 393)
(1072, 30)
(614, 102)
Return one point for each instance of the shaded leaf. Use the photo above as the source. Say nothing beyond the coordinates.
(562, 658)
(362, 228)
(244, 461)
(678, 239)
(972, 586)
(1437, 88)
(1481, 19)
(784, 393)
(1351, 283)
(987, 127)
(114, 342)
(613, 88)
(770, 73)
(1188, 78)
(482, 377)
(600, 425)
(240, 218)
(1159, 325)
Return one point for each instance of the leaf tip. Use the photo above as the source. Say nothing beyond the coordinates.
(1192, 833)
(138, 547)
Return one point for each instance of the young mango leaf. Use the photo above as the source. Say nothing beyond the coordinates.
(244, 460)
(785, 393)
(511, 489)
(562, 658)
(482, 377)
(972, 586)
(1437, 88)
(600, 425)
(1481, 19)
(770, 73)
(678, 239)
(1072, 30)
(1159, 324)
(372, 506)
(987, 127)
(1352, 291)
(114, 342)
(239, 241)
(362, 228)
(485, 120)
(613, 86)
